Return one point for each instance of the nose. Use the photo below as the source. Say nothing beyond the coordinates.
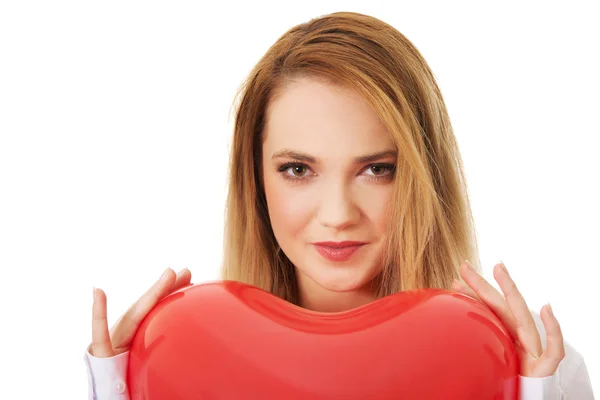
(337, 208)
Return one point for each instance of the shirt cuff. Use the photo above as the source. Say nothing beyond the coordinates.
(546, 388)
(107, 376)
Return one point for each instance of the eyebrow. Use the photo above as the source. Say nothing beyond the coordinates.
(298, 156)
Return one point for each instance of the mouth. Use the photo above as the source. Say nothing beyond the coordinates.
(338, 253)
(345, 243)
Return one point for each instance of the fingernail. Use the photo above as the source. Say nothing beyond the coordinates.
(503, 267)
(165, 274)
(469, 265)
(550, 309)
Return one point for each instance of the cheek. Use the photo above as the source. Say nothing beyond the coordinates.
(375, 206)
(289, 209)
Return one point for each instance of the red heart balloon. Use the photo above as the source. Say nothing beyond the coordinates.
(228, 340)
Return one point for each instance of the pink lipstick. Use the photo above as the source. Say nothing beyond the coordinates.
(338, 251)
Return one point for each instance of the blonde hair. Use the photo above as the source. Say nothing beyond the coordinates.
(431, 229)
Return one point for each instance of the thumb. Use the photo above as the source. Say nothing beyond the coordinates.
(101, 344)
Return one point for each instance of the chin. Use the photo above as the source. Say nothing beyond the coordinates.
(341, 279)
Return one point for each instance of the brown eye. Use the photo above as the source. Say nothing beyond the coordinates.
(298, 170)
(381, 171)
(377, 169)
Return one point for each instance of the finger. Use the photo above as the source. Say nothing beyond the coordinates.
(526, 329)
(124, 330)
(555, 346)
(182, 279)
(464, 289)
(101, 344)
(489, 296)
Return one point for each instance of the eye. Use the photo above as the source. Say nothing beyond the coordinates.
(293, 171)
(377, 169)
(298, 170)
(381, 171)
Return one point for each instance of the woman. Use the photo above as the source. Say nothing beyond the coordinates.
(346, 185)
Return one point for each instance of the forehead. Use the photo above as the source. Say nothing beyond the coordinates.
(322, 118)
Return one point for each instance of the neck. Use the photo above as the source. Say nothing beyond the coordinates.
(316, 298)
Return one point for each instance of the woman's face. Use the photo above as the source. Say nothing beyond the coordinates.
(328, 167)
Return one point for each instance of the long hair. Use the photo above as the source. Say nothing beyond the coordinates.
(431, 229)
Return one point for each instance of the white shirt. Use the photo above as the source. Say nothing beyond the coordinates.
(107, 377)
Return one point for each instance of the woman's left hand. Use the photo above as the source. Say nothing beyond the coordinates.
(512, 310)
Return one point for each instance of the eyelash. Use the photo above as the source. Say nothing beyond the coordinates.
(391, 168)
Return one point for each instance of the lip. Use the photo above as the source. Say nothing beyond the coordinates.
(345, 243)
(338, 253)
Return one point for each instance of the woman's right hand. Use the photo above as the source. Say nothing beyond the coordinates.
(118, 340)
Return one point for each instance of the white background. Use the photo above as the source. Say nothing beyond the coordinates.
(114, 134)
